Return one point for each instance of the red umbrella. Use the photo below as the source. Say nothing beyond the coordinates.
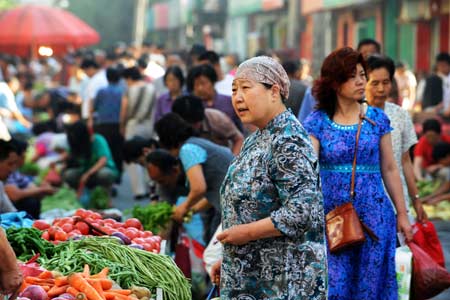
(26, 28)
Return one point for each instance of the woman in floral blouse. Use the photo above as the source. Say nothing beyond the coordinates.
(272, 207)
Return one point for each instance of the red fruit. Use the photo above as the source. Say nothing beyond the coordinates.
(83, 228)
(147, 246)
(139, 241)
(147, 233)
(60, 236)
(109, 221)
(41, 225)
(52, 231)
(81, 212)
(133, 222)
(67, 227)
(96, 216)
(45, 235)
(132, 233)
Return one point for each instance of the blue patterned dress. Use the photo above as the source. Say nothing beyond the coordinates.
(366, 271)
(275, 175)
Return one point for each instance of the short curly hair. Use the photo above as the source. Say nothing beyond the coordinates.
(336, 69)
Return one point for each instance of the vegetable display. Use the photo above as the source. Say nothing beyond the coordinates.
(26, 242)
(65, 199)
(128, 266)
(155, 217)
(427, 187)
(99, 198)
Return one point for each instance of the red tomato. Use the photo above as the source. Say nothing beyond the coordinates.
(52, 231)
(133, 222)
(60, 236)
(67, 227)
(117, 225)
(132, 234)
(147, 247)
(109, 221)
(147, 233)
(139, 241)
(41, 225)
(76, 231)
(83, 228)
(45, 235)
(96, 216)
(81, 212)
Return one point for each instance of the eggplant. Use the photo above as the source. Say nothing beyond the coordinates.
(123, 237)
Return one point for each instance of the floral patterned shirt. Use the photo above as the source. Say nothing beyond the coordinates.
(403, 138)
(276, 175)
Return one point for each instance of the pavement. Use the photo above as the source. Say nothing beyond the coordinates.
(125, 200)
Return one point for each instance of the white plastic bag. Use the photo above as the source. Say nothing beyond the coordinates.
(403, 268)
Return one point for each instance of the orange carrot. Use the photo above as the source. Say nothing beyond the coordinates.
(121, 292)
(45, 287)
(57, 290)
(106, 284)
(73, 291)
(102, 274)
(45, 275)
(60, 281)
(39, 281)
(98, 287)
(111, 295)
(23, 286)
(77, 281)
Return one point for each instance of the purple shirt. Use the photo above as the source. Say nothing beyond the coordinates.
(163, 106)
(223, 103)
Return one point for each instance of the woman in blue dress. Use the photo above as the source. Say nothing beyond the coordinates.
(272, 208)
(366, 271)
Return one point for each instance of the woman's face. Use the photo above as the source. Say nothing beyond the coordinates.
(353, 88)
(252, 102)
(204, 88)
(172, 83)
(378, 87)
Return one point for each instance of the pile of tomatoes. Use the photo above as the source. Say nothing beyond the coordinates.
(129, 232)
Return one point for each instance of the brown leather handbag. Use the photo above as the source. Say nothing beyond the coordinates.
(343, 226)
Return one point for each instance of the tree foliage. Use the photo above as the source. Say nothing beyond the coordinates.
(113, 19)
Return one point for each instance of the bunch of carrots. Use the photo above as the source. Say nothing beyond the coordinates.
(83, 286)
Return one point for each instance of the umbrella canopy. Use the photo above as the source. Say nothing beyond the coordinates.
(26, 28)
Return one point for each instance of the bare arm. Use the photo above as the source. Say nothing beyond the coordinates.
(245, 233)
(97, 166)
(10, 275)
(413, 192)
(391, 178)
(418, 160)
(315, 143)
(197, 190)
(16, 194)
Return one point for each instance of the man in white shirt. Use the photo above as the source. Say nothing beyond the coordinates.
(97, 81)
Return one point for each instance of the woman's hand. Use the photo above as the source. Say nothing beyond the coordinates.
(236, 235)
(215, 272)
(10, 281)
(420, 212)
(404, 226)
(180, 211)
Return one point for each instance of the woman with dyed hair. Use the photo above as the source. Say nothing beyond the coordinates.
(367, 270)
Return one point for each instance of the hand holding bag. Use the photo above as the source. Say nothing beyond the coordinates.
(343, 226)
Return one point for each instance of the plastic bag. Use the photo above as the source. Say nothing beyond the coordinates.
(425, 236)
(403, 268)
(429, 278)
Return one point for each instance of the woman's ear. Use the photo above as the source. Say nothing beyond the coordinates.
(275, 91)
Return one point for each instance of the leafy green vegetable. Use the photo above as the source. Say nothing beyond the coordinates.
(26, 242)
(30, 168)
(427, 187)
(99, 198)
(65, 198)
(155, 216)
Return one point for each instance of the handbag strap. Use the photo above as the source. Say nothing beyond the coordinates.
(361, 117)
